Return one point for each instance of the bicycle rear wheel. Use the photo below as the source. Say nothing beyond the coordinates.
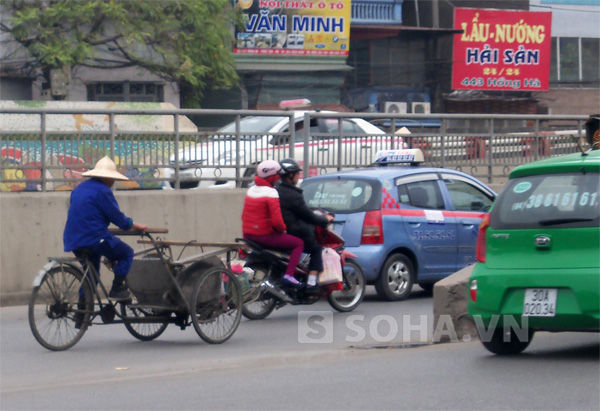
(216, 302)
(60, 308)
(144, 331)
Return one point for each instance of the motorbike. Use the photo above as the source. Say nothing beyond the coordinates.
(265, 267)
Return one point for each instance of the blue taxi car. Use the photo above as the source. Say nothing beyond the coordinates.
(406, 223)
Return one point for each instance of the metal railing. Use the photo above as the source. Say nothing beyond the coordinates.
(489, 154)
(45, 159)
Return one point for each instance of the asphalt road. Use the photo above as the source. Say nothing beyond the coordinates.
(299, 358)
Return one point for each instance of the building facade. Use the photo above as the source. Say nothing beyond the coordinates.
(575, 64)
(398, 59)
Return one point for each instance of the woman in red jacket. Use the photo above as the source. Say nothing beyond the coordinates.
(262, 221)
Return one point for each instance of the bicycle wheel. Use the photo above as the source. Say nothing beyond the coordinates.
(260, 304)
(60, 308)
(216, 301)
(144, 331)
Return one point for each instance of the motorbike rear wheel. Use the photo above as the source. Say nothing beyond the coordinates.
(354, 289)
(261, 304)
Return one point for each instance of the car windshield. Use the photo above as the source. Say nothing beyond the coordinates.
(551, 201)
(252, 127)
(340, 196)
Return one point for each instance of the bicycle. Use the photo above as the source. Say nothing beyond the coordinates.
(68, 296)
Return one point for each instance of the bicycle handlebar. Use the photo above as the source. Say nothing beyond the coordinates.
(118, 231)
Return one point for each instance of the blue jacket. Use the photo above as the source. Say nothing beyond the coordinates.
(93, 207)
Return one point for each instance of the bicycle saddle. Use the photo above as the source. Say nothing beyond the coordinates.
(83, 253)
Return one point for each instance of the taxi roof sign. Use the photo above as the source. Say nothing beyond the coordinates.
(401, 156)
(295, 104)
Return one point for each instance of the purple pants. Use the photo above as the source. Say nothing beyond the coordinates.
(282, 240)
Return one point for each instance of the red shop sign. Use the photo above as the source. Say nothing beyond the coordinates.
(501, 50)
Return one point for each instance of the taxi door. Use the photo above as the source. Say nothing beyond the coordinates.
(431, 228)
(470, 203)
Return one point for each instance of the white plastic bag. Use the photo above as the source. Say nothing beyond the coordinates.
(332, 267)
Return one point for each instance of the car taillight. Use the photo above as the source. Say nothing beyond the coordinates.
(481, 243)
(372, 232)
(473, 290)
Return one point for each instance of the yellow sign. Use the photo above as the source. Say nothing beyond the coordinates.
(294, 27)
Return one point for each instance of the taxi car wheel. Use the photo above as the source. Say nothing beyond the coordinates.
(497, 344)
(396, 279)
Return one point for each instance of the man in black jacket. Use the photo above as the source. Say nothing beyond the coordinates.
(299, 218)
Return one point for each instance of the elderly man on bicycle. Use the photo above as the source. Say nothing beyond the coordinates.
(92, 208)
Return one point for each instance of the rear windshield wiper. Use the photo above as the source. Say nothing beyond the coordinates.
(558, 221)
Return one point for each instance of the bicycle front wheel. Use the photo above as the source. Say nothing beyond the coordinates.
(216, 304)
(60, 308)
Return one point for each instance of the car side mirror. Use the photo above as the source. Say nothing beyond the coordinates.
(476, 205)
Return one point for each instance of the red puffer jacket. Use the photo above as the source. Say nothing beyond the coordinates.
(262, 212)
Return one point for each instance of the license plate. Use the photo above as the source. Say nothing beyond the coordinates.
(540, 302)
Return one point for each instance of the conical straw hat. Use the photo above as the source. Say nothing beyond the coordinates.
(105, 168)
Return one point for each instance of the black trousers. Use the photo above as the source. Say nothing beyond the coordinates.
(316, 256)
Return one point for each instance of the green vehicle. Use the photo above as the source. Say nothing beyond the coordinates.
(538, 254)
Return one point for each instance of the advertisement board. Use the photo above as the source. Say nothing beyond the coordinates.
(501, 50)
(294, 27)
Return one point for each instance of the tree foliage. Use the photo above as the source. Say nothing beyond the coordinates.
(186, 41)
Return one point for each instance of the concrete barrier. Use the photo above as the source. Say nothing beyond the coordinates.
(32, 224)
(450, 304)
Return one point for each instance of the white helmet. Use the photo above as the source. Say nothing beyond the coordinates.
(268, 168)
